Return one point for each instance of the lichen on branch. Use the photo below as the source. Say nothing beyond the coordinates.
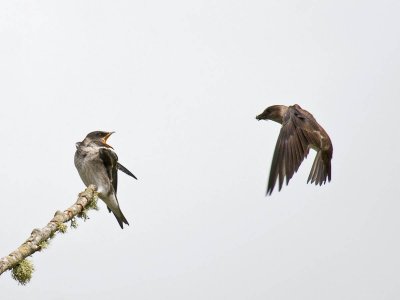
(22, 268)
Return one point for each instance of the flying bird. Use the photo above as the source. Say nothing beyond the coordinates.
(299, 132)
(98, 164)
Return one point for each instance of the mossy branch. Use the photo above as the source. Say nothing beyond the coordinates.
(21, 267)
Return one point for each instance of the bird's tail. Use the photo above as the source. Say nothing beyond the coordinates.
(321, 169)
(116, 210)
(121, 219)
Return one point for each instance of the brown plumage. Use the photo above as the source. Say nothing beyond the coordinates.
(299, 132)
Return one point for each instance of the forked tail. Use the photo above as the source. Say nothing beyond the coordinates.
(321, 169)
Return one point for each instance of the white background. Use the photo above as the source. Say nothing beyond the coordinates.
(181, 83)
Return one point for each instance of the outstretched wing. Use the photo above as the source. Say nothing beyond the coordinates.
(299, 132)
(125, 170)
(110, 160)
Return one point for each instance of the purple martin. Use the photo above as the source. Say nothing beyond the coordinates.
(299, 132)
(98, 164)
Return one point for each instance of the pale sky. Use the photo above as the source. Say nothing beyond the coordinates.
(181, 83)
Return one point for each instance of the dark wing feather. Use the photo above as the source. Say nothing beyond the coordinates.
(110, 160)
(274, 173)
(125, 170)
(299, 132)
(290, 150)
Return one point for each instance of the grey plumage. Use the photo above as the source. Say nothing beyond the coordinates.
(97, 164)
(299, 132)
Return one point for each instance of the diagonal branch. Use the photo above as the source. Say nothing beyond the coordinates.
(39, 236)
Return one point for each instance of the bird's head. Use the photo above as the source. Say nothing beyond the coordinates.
(274, 113)
(100, 137)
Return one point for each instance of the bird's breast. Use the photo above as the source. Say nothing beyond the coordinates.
(92, 171)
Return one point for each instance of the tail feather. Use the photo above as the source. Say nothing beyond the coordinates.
(121, 219)
(320, 170)
(113, 206)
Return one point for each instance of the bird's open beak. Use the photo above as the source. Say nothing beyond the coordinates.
(262, 116)
(106, 138)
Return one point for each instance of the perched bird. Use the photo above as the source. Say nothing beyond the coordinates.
(97, 164)
(299, 132)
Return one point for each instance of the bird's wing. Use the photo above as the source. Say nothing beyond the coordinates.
(299, 132)
(125, 170)
(110, 161)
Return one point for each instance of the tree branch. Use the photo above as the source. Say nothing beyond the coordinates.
(39, 237)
